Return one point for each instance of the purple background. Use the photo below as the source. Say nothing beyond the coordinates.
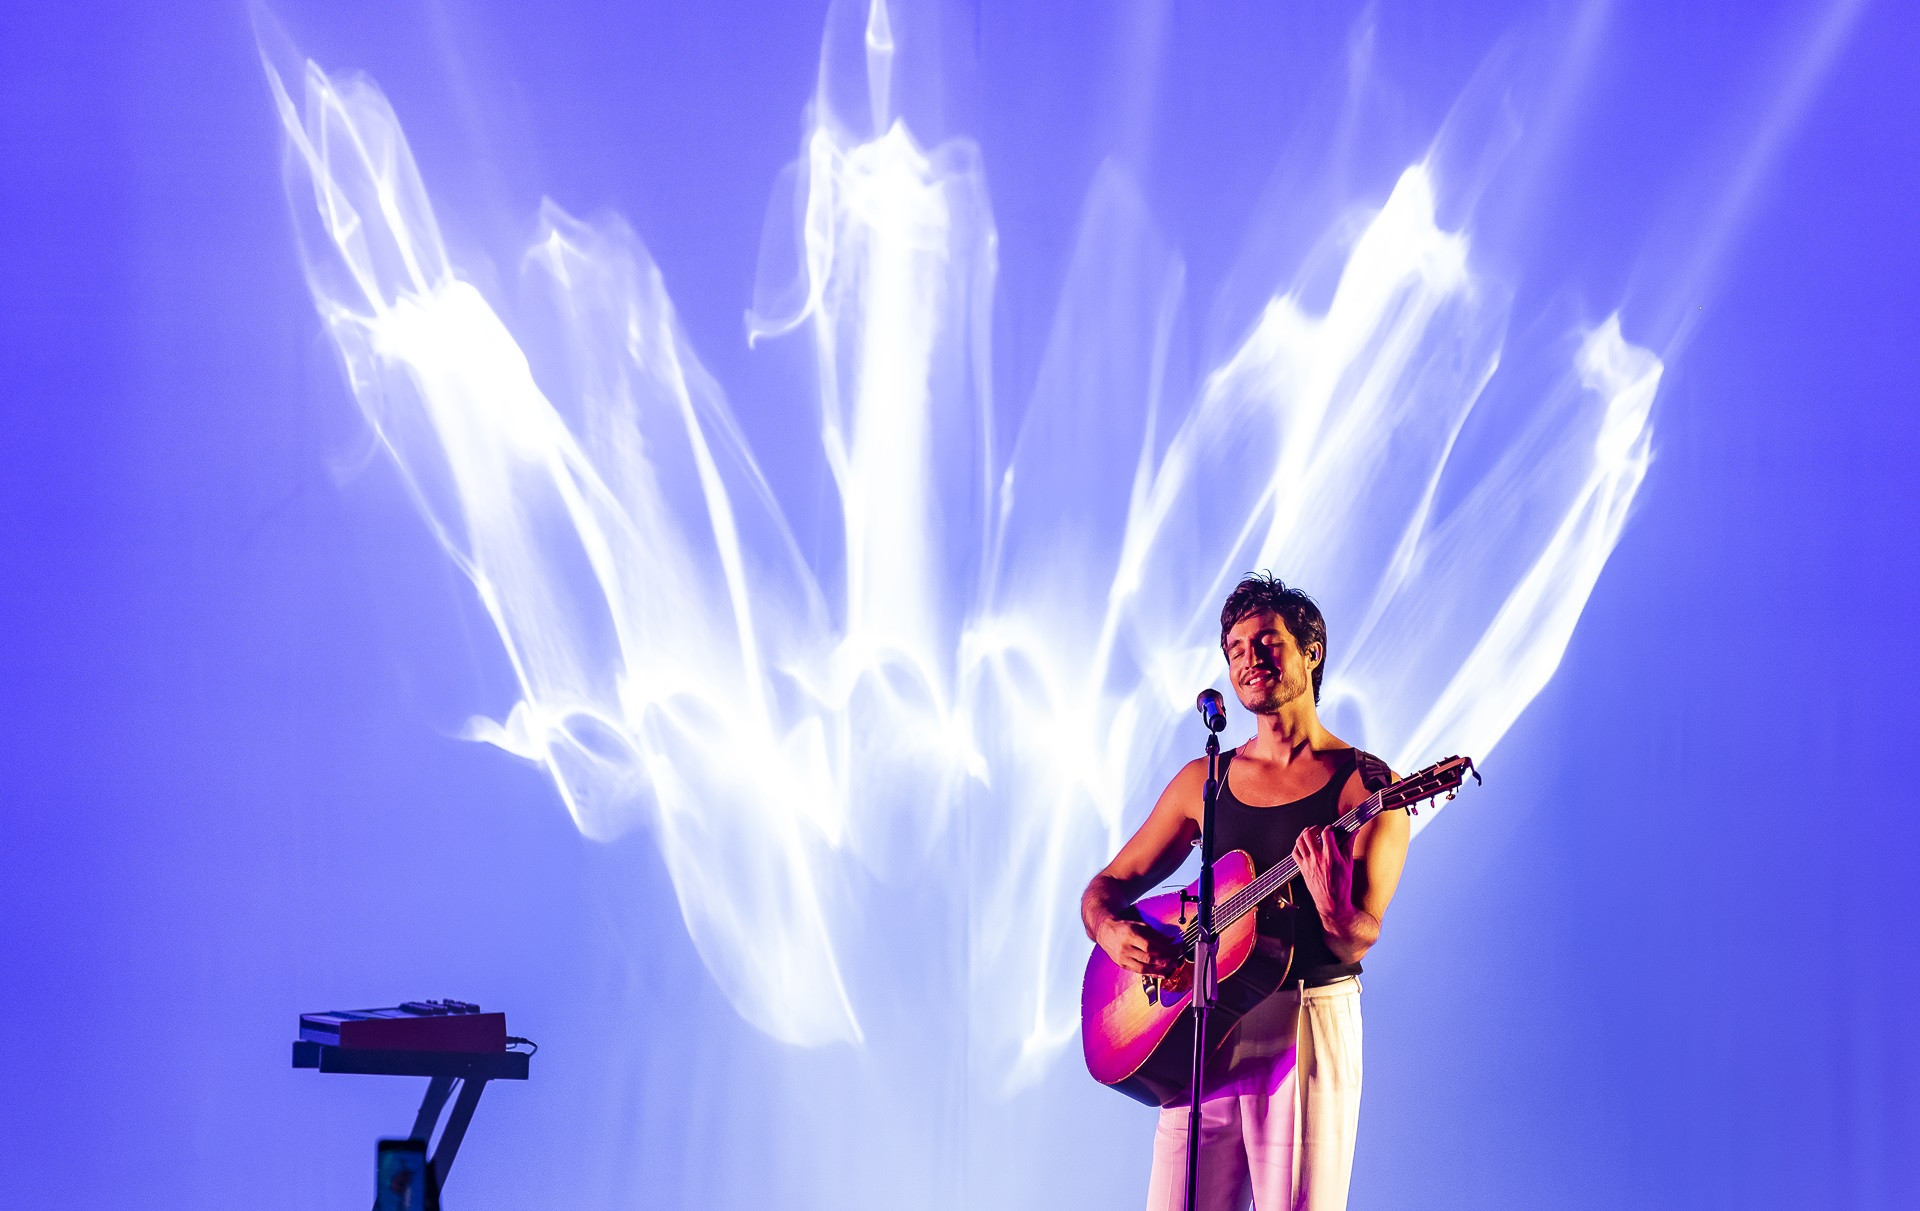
(1664, 959)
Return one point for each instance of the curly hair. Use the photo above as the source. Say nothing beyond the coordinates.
(1263, 592)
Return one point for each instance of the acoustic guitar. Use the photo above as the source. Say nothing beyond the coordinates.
(1136, 1029)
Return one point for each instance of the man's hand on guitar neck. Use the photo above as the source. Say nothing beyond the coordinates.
(1325, 859)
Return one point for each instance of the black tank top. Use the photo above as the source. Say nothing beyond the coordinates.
(1267, 835)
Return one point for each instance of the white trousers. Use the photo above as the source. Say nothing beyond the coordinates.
(1280, 1129)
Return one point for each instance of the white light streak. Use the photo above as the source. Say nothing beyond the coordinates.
(978, 692)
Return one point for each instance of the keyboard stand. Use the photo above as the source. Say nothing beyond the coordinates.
(441, 1068)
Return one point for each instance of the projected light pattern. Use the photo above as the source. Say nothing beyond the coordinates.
(995, 662)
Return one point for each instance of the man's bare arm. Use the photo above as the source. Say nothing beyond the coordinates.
(1353, 881)
(1154, 851)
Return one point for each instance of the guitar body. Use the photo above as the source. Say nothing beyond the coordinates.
(1136, 1029)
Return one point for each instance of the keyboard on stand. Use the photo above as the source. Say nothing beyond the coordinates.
(445, 1041)
(411, 1026)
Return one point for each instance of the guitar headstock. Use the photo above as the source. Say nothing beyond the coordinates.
(1440, 778)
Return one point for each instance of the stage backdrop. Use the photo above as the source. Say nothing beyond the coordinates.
(701, 529)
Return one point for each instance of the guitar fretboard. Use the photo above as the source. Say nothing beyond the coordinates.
(1442, 777)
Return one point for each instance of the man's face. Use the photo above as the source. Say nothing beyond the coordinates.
(1267, 666)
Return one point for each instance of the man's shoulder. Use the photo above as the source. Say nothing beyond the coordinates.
(1366, 774)
(1372, 772)
(1189, 782)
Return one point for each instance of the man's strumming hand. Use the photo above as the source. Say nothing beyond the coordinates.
(1138, 946)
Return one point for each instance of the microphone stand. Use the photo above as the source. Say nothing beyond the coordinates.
(1205, 989)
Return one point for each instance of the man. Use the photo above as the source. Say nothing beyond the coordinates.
(1282, 1099)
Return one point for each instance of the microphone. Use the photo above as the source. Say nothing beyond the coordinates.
(1213, 709)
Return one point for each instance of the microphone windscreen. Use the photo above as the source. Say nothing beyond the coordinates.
(1212, 708)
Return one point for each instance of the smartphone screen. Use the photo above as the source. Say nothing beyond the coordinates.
(404, 1182)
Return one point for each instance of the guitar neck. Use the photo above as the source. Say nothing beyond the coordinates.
(1281, 873)
(1440, 778)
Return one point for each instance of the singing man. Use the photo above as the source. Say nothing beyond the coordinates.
(1281, 1102)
